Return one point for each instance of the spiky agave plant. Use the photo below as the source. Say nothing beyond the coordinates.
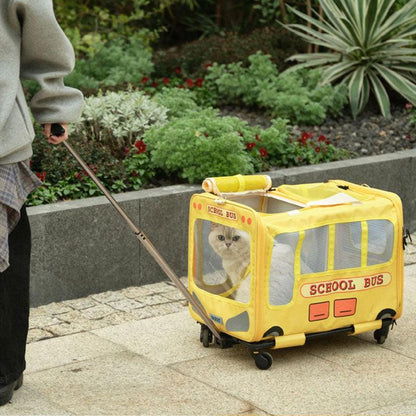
(369, 46)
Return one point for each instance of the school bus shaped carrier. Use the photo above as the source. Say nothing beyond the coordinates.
(335, 247)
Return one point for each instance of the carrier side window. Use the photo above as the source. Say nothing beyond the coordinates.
(347, 249)
(282, 268)
(314, 253)
(222, 260)
(380, 241)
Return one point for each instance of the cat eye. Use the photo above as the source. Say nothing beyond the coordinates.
(221, 237)
(236, 238)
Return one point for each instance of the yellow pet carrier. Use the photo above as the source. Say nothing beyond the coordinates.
(273, 268)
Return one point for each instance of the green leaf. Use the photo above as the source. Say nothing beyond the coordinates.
(381, 94)
(398, 82)
(355, 90)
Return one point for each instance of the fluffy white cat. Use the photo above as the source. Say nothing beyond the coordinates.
(233, 246)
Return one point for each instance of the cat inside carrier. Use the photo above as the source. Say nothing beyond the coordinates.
(273, 268)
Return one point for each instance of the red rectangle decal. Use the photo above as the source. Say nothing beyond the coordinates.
(344, 307)
(318, 311)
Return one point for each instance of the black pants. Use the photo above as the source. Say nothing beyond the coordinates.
(14, 303)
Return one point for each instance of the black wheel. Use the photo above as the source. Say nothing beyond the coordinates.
(206, 336)
(380, 335)
(263, 360)
(381, 339)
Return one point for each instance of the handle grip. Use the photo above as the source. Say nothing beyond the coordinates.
(57, 130)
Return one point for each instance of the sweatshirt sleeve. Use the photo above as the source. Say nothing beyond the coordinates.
(47, 57)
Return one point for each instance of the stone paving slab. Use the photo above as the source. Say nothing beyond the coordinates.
(128, 384)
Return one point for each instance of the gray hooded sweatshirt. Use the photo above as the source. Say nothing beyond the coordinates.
(32, 46)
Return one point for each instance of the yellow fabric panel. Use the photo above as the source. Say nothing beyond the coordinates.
(237, 183)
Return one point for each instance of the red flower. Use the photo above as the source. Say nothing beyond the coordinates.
(322, 138)
(154, 84)
(317, 149)
(207, 65)
(250, 145)
(408, 106)
(166, 80)
(41, 176)
(263, 152)
(189, 82)
(140, 145)
(199, 82)
(306, 136)
(145, 80)
(134, 174)
(178, 70)
(257, 138)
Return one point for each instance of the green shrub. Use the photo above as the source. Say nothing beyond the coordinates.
(118, 62)
(119, 119)
(370, 46)
(199, 145)
(297, 96)
(177, 101)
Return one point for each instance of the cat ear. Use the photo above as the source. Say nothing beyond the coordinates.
(215, 225)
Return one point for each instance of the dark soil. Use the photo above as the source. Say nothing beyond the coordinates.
(370, 134)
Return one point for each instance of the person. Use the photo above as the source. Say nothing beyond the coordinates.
(32, 46)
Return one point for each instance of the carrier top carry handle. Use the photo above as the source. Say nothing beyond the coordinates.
(57, 130)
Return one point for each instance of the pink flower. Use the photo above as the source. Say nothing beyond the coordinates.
(408, 106)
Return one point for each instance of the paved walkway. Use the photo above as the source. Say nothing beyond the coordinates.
(137, 352)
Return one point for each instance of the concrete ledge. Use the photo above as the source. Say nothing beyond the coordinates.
(84, 247)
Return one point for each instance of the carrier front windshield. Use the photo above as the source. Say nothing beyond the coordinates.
(222, 260)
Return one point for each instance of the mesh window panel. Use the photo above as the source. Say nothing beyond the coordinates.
(347, 246)
(222, 260)
(282, 269)
(380, 241)
(314, 252)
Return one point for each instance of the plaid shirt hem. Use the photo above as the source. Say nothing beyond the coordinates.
(17, 181)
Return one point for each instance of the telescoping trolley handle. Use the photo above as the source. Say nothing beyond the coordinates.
(58, 130)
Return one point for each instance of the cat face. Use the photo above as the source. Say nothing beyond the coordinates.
(228, 242)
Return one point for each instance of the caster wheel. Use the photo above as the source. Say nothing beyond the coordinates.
(380, 335)
(263, 360)
(206, 336)
(381, 339)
